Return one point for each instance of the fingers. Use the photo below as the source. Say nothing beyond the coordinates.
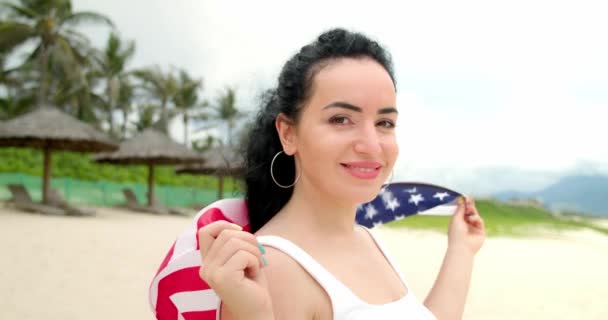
(208, 233)
(243, 260)
(227, 235)
(225, 249)
(471, 214)
(239, 264)
(460, 209)
(470, 211)
(230, 248)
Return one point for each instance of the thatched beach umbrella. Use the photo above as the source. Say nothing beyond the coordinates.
(219, 161)
(150, 148)
(50, 129)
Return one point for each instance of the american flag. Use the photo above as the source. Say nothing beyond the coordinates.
(399, 200)
(178, 293)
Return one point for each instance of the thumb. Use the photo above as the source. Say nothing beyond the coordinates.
(461, 207)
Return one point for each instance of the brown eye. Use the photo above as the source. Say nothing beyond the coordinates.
(339, 120)
(387, 124)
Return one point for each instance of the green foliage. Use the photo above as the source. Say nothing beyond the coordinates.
(59, 50)
(80, 166)
(501, 219)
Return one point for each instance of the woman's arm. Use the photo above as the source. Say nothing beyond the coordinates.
(293, 292)
(466, 235)
(447, 298)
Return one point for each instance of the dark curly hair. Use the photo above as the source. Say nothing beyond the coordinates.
(264, 197)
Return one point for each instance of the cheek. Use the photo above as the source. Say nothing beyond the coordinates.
(316, 150)
(311, 148)
(392, 149)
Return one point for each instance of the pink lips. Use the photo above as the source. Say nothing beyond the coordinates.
(363, 169)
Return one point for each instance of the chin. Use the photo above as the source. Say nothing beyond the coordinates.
(363, 195)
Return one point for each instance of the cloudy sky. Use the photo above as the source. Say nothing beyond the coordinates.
(492, 95)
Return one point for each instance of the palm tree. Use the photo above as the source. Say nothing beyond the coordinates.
(112, 67)
(126, 94)
(226, 112)
(18, 86)
(186, 100)
(205, 144)
(50, 24)
(72, 89)
(145, 117)
(160, 86)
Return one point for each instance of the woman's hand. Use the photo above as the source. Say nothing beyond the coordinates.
(232, 266)
(466, 230)
(466, 234)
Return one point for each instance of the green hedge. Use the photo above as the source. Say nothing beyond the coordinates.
(503, 219)
(80, 166)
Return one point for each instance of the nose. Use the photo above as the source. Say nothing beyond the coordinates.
(367, 140)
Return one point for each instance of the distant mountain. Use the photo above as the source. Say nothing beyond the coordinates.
(587, 194)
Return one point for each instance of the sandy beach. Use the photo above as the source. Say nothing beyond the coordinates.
(100, 268)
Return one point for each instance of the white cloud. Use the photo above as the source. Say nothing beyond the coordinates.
(518, 84)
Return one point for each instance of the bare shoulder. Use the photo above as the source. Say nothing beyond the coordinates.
(295, 294)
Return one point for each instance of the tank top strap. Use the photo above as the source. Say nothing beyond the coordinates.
(341, 297)
(388, 257)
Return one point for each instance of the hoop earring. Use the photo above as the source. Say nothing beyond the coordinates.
(272, 173)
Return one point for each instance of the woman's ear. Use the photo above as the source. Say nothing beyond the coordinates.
(287, 133)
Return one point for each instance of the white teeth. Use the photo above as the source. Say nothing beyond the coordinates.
(362, 169)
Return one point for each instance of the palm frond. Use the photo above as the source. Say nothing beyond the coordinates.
(116, 54)
(86, 17)
(33, 56)
(19, 11)
(13, 34)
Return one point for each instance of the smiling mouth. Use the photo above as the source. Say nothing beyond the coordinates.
(361, 169)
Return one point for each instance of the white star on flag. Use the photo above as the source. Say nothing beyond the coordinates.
(416, 198)
(441, 195)
(370, 212)
(390, 202)
(412, 190)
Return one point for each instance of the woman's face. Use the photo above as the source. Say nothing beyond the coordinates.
(344, 141)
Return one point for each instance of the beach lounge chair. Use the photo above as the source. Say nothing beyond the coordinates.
(198, 206)
(158, 205)
(55, 199)
(22, 201)
(133, 204)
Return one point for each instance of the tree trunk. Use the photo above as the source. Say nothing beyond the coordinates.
(186, 120)
(220, 187)
(110, 93)
(150, 185)
(125, 118)
(46, 177)
(164, 125)
(44, 62)
(229, 134)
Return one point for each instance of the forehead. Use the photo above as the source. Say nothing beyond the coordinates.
(362, 82)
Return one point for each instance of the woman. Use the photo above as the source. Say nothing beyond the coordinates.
(323, 143)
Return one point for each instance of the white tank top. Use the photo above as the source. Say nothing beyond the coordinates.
(345, 304)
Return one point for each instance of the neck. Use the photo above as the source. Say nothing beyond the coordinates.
(312, 211)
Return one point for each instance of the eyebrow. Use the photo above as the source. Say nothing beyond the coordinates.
(346, 105)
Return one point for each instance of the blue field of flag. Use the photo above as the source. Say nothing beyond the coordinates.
(401, 199)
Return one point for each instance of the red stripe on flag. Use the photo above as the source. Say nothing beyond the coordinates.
(166, 260)
(188, 279)
(183, 280)
(209, 216)
(200, 315)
